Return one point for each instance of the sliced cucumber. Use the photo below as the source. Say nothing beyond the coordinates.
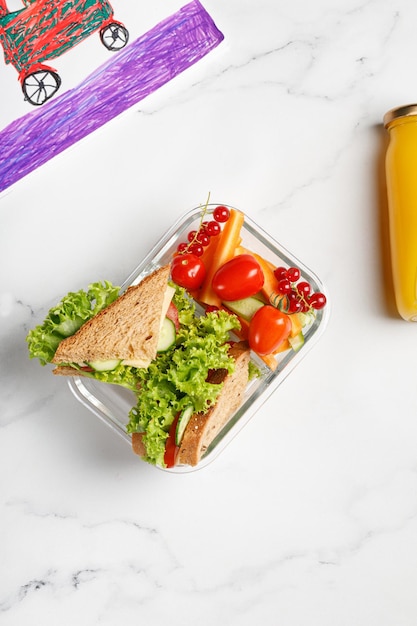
(183, 420)
(167, 335)
(246, 307)
(306, 318)
(104, 366)
(296, 342)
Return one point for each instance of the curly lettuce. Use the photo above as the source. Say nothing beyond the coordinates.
(64, 319)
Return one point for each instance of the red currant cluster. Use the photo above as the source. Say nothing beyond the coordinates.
(199, 239)
(294, 296)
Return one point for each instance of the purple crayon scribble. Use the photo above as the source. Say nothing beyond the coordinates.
(152, 60)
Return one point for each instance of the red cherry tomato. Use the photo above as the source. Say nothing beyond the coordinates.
(268, 328)
(172, 314)
(171, 449)
(188, 271)
(240, 277)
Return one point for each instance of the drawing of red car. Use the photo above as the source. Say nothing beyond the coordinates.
(45, 29)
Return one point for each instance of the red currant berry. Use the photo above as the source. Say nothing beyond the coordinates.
(280, 273)
(294, 303)
(304, 289)
(197, 249)
(221, 214)
(296, 306)
(293, 274)
(284, 286)
(182, 247)
(213, 229)
(317, 300)
(192, 235)
(203, 238)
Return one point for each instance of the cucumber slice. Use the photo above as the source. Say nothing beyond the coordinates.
(104, 366)
(306, 318)
(183, 420)
(167, 335)
(246, 307)
(296, 342)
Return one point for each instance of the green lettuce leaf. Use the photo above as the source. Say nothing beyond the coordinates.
(64, 319)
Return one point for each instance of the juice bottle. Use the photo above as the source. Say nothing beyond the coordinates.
(401, 175)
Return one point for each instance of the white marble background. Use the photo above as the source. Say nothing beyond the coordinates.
(309, 518)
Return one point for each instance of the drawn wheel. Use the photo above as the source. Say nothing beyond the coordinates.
(41, 85)
(114, 36)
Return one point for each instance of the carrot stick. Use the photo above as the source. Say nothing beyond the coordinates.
(242, 250)
(270, 361)
(228, 240)
(210, 251)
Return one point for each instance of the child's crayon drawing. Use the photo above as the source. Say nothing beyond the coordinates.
(45, 29)
(136, 71)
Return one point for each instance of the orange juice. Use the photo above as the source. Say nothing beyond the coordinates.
(401, 174)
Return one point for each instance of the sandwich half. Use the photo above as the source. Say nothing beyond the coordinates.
(203, 428)
(126, 332)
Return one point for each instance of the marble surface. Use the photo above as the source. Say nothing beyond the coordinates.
(309, 517)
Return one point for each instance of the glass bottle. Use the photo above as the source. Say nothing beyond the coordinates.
(401, 177)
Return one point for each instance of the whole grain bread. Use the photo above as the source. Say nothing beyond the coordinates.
(128, 329)
(66, 370)
(138, 446)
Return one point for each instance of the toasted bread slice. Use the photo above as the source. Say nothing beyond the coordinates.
(203, 428)
(128, 329)
(66, 370)
(138, 446)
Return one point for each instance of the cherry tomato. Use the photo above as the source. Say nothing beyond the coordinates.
(268, 328)
(172, 314)
(171, 449)
(211, 308)
(240, 277)
(188, 271)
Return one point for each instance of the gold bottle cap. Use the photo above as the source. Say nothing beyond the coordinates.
(403, 111)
